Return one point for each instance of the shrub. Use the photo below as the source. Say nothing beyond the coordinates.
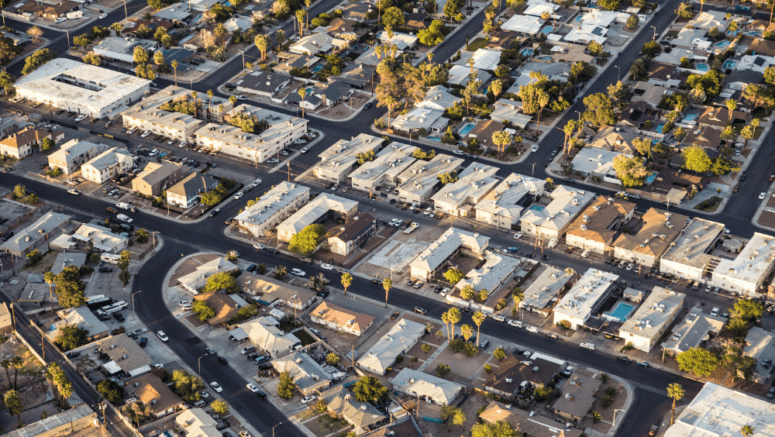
(488, 368)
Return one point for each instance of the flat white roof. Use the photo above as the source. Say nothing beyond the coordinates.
(752, 262)
(420, 118)
(541, 292)
(73, 149)
(390, 162)
(566, 203)
(473, 183)
(273, 201)
(487, 59)
(399, 339)
(496, 270)
(280, 126)
(594, 160)
(315, 209)
(149, 110)
(505, 198)
(84, 84)
(585, 294)
(692, 246)
(448, 243)
(654, 313)
(422, 175)
(524, 24)
(587, 33)
(344, 154)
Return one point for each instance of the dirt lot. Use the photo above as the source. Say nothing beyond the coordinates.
(608, 413)
(464, 368)
(30, 381)
(469, 407)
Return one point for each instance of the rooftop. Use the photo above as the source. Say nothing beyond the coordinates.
(533, 425)
(149, 110)
(516, 368)
(545, 288)
(344, 154)
(35, 232)
(508, 197)
(422, 175)
(101, 237)
(262, 81)
(353, 228)
(280, 126)
(191, 184)
(398, 340)
(656, 233)
(198, 278)
(423, 384)
(153, 393)
(343, 402)
(264, 332)
(597, 222)
(438, 98)
(153, 173)
(654, 314)
(497, 269)
(126, 353)
(472, 185)
(599, 161)
(388, 164)
(342, 316)
(420, 118)
(692, 246)
(125, 45)
(311, 212)
(222, 304)
(760, 344)
(73, 149)
(753, 262)
(81, 317)
(450, 241)
(578, 393)
(583, 296)
(524, 24)
(272, 202)
(272, 289)
(305, 371)
(566, 203)
(109, 158)
(694, 329)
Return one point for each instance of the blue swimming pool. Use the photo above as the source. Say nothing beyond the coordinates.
(754, 33)
(659, 127)
(434, 138)
(702, 67)
(621, 311)
(528, 52)
(651, 178)
(578, 19)
(317, 68)
(691, 117)
(729, 64)
(547, 30)
(538, 208)
(466, 129)
(310, 90)
(722, 44)
(544, 58)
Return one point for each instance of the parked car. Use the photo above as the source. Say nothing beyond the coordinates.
(217, 387)
(307, 399)
(590, 346)
(394, 315)
(162, 336)
(298, 272)
(420, 310)
(222, 360)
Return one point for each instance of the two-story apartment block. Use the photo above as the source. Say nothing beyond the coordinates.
(459, 198)
(157, 177)
(503, 206)
(543, 291)
(595, 229)
(21, 144)
(341, 319)
(383, 171)
(187, 192)
(644, 328)
(339, 160)
(552, 220)
(652, 238)
(107, 165)
(149, 115)
(418, 182)
(747, 272)
(585, 298)
(312, 212)
(353, 235)
(262, 83)
(689, 255)
(273, 208)
(73, 154)
(452, 242)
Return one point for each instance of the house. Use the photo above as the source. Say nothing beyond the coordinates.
(225, 306)
(503, 206)
(6, 319)
(706, 137)
(510, 111)
(666, 75)
(358, 76)
(353, 235)
(81, 317)
(527, 422)
(123, 48)
(552, 220)
(310, 102)
(74, 153)
(78, 87)
(317, 43)
(645, 246)
(483, 132)
(516, 371)
(717, 410)
(342, 28)
(197, 279)
(497, 270)
(265, 334)
(597, 226)
(585, 298)
(438, 99)
(426, 387)
(615, 139)
(262, 83)
(648, 92)
(587, 33)
(154, 394)
(273, 208)
(597, 162)
(577, 395)
(760, 345)
(341, 319)
(459, 198)
(157, 177)
(203, 5)
(362, 416)
(523, 24)
(356, 11)
(417, 183)
(369, 57)
(36, 235)
(287, 61)
(124, 355)
(197, 423)
(334, 92)
(745, 275)
(644, 328)
(312, 212)
(21, 144)
(238, 24)
(689, 255)
(708, 20)
(430, 120)
(65, 259)
(51, 11)
(108, 165)
(156, 115)
(339, 160)
(174, 13)
(403, 41)
(542, 293)
(763, 47)
(398, 340)
(383, 171)
(187, 192)
(451, 243)
(271, 292)
(308, 375)
(100, 238)
(695, 331)
(716, 117)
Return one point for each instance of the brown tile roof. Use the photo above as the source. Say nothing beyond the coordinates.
(484, 130)
(338, 25)
(578, 393)
(342, 317)
(353, 228)
(153, 393)
(501, 39)
(25, 137)
(601, 215)
(649, 238)
(416, 21)
(224, 306)
(48, 9)
(719, 117)
(704, 137)
(514, 368)
(763, 47)
(536, 426)
(661, 71)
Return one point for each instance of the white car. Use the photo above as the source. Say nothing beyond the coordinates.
(145, 134)
(305, 150)
(762, 196)
(726, 230)
(585, 253)
(518, 235)
(80, 118)
(298, 272)
(162, 336)
(532, 329)
(60, 20)
(534, 148)
(308, 399)
(327, 267)
(516, 323)
(256, 183)
(186, 307)
(204, 394)
(239, 195)
(253, 388)
(444, 292)
(458, 152)
(300, 142)
(103, 16)
(590, 346)
(183, 303)
(629, 267)
(74, 192)
(217, 387)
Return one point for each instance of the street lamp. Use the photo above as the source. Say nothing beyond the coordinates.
(614, 421)
(199, 364)
(618, 73)
(655, 33)
(153, 236)
(243, 59)
(133, 299)
(68, 39)
(577, 112)
(275, 427)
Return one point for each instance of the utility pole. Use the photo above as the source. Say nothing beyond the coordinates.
(352, 357)
(289, 171)
(42, 344)
(51, 295)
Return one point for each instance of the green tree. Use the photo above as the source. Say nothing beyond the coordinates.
(280, 272)
(610, 5)
(600, 109)
(140, 55)
(454, 275)
(595, 48)
(387, 284)
(141, 235)
(651, 49)
(203, 310)
(332, 359)
(698, 361)
(111, 391)
(467, 292)
(71, 337)
(369, 389)
(220, 407)
(221, 281)
(696, 159)
(453, 314)
(499, 353)
(347, 281)
(262, 42)
(454, 413)
(747, 309)
(633, 22)
(497, 429)
(746, 430)
(34, 257)
(392, 18)
(305, 241)
(630, 171)
(684, 10)
(478, 318)
(432, 35)
(69, 287)
(452, 8)
(82, 40)
(38, 58)
(442, 370)
(6, 81)
(13, 403)
(187, 386)
(286, 387)
(35, 32)
(675, 392)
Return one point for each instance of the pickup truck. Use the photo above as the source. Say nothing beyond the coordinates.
(124, 218)
(411, 228)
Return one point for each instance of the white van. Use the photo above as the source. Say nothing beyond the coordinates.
(124, 218)
(590, 346)
(247, 349)
(199, 404)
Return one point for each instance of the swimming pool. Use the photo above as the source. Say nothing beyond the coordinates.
(621, 311)
(434, 138)
(691, 117)
(547, 30)
(538, 208)
(528, 52)
(578, 19)
(317, 68)
(729, 64)
(310, 90)
(659, 127)
(651, 178)
(544, 58)
(702, 67)
(754, 33)
(722, 44)
(466, 129)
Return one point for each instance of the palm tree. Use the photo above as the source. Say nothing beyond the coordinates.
(674, 392)
(429, 327)
(6, 364)
(387, 284)
(454, 317)
(347, 280)
(262, 43)
(542, 99)
(174, 65)
(390, 102)
(478, 319)
(467, 331)
(220, 110)
(731, 106)
(702, 3)
(233, 101)
(193, 95)
(747, 430)
(280, 271)
(501, 140)
(308, 3)
(18, 363)
(568, 130)
(302, 93)
(445, 319)
(210, 95)
(300, 13)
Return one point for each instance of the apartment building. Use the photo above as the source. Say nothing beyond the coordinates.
(597, 226)
(273, 208)
(381, 173)
(148, 115)
(107, 165)
(503, 206)
(188, 191)
(418, 182)
(339, 160)
(459, 198)
(157, 177)
(73, 154)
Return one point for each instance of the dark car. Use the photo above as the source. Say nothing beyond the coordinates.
(367, 106)
(103, 317)
(73, 354)
(111, 210)
(118, 316)
(7, 236)
(251, 268)
(323, 294)
(394, 315)
(105, 270)
(223, 361)
(624, 360)
(143, 342)
(375, 282)
(261, 395)
(272, 251)
(252, 356)
(438, 289)
(643, 364)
